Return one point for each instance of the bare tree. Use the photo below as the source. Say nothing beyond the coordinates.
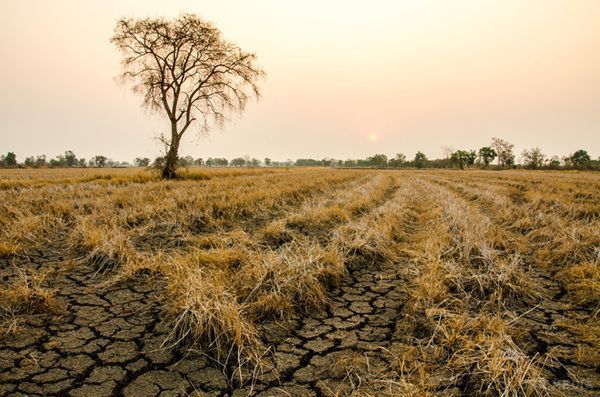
(186, 69)
(504, 150)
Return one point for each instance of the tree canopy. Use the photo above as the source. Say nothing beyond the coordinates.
(185, 69)
(580, 158)
(487, 155)
(504, 151)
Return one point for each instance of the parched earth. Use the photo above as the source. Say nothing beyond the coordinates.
(107, 340)
(571, 370)
(317, 354)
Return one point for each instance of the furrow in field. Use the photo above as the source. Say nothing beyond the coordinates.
(257, 282)
(461, 288)
(328, 351)
(162, 208)
(560, 327)
(569, 198)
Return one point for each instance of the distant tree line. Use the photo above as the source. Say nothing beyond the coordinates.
(66, 160)
(498, 155)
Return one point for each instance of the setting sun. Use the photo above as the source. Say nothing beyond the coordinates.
(373, 137)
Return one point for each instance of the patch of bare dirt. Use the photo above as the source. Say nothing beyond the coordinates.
(106, 342)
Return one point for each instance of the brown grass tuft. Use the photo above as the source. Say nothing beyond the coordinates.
(9, 249)
(24, 296)
(206, 311)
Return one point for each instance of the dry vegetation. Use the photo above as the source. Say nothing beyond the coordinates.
(488, 262)
(25, 295)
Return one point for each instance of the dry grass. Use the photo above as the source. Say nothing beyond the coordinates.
(106, 247)
(462, 286)
(236, 247)
(269, 274)
(297, 275)
(583, 283)
(482, 349)
(193, 233)
(25, 295)
(205, 310)
(9, 249)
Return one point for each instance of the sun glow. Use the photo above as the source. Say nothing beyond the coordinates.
(373, 137)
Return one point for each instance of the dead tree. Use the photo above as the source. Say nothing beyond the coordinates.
(186, 69)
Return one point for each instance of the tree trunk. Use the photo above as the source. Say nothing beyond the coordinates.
(170, 170)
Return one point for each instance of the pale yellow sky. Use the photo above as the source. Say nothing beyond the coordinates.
(345, 78)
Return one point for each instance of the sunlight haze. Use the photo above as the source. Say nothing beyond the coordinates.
(345, 79)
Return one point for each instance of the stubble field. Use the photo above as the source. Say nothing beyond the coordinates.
(302, 282)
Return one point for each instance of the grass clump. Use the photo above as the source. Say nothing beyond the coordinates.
(9, 249)
(275, 282)
(107, 247)
(583, 283)
(206, 312)
(26, 295)
(482, 351)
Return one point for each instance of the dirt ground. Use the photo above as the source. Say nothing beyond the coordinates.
(106, 338)
(107, 341)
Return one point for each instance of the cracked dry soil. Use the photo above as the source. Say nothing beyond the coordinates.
(107, 339)
(314, 354)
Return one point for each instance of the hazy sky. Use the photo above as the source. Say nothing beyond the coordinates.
(346, 79)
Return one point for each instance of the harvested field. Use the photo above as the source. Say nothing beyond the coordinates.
(302, 282)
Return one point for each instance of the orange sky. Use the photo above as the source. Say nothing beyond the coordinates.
(345, 78)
